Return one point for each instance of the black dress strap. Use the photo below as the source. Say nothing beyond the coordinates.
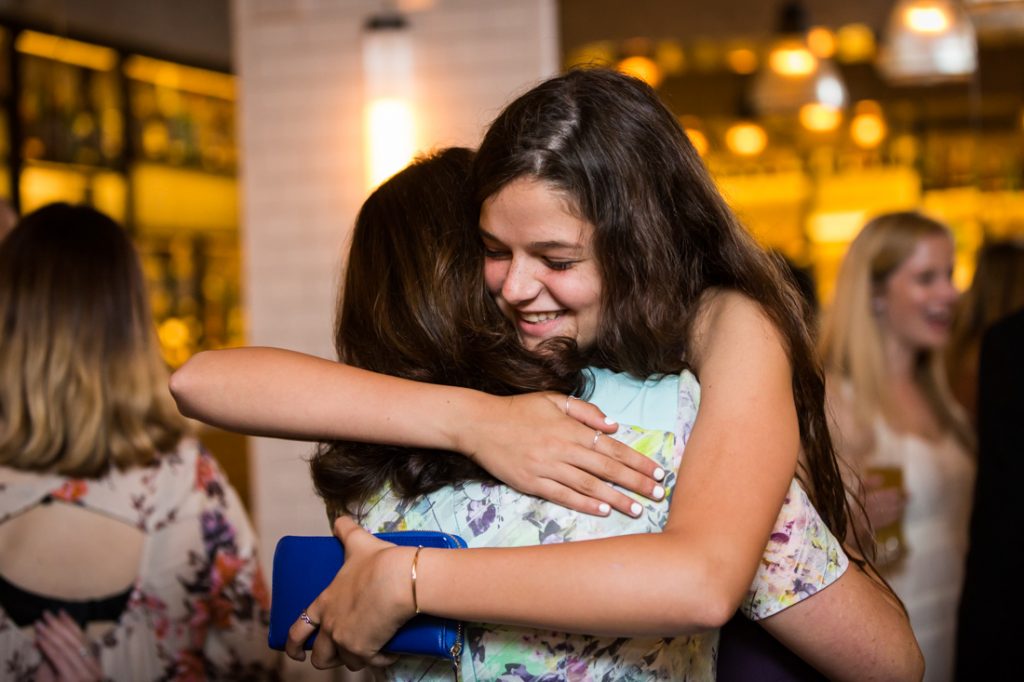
(25, 608)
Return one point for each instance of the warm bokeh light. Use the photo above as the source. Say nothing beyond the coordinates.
(741, 60)
(746, 139)
(855, 43)
(820, 118)
(868, 130)
(391, 138)
(926, 17)
(822, 42)
(792, 61)
(670, 57)
(699, 140)
(643, 68)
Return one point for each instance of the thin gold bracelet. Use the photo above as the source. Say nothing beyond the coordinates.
(415, 560)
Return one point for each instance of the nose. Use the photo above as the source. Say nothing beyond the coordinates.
(520, 284)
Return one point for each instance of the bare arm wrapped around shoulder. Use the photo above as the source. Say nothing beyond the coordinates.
(539, 443)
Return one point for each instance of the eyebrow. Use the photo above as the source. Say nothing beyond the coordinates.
(540, 246)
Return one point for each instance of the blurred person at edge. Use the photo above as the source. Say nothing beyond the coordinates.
(97, 472)
(8, 218)
(997, 290)
(891, 407)
(990, 631)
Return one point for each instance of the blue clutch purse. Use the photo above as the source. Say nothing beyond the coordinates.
(305, 566)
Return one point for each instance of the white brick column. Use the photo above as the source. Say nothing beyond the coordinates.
(300, 71)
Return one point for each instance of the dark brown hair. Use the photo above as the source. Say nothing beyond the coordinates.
(84, 388)
(663, 236)
(414, 305)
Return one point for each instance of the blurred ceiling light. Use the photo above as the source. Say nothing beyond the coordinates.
(868, 128)
(388, 91)
(855, 43)
(643, 68)
(692, 127)
(670, 57)
(822, 42)
(820, 118)
(926, 19)
(929, 41)
(793, 59)
(746, 139)
(742, 60)
(794, 76)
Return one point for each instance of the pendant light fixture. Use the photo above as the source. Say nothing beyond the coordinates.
(927, 42)
(390, 134)
(793, 75)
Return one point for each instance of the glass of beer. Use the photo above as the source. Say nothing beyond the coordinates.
(889, 541)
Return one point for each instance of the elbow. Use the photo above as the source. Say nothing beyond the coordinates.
(184, 385)
(703, 609)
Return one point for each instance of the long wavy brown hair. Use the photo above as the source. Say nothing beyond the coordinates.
(413, 305)
(663, 236)
(84, 388)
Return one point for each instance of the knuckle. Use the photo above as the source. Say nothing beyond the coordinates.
(589, 486)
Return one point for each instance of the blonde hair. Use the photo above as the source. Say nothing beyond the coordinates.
(851, 339)
(83, 386)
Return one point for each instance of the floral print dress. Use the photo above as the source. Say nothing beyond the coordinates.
(801, 558)
(199, 607)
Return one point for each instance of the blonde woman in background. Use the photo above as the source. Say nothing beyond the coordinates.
(124, 552)
(997, 290)
(882, 345)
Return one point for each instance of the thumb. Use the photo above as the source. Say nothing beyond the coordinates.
(345, 529)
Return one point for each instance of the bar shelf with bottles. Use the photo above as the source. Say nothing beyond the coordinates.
(151, 143)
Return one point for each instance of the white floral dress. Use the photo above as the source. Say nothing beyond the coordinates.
(801, 558)
(199, 607)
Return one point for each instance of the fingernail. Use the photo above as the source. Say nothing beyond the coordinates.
(604, 508)
(609, 421)
(658, 492)
(636, 508)
(659, 474)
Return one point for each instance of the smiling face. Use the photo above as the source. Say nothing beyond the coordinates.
(915, 306)
(540, 264)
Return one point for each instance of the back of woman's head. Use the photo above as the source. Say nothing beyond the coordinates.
(663, 235)
(83, 385)
(851, 342)
(414, 305)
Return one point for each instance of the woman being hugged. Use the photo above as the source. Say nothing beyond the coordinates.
(97, 473)
(882, 344)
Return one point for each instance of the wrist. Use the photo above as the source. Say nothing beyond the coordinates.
(398, 573)
(469, 419)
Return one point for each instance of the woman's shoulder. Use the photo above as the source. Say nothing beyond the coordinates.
(729, 324)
